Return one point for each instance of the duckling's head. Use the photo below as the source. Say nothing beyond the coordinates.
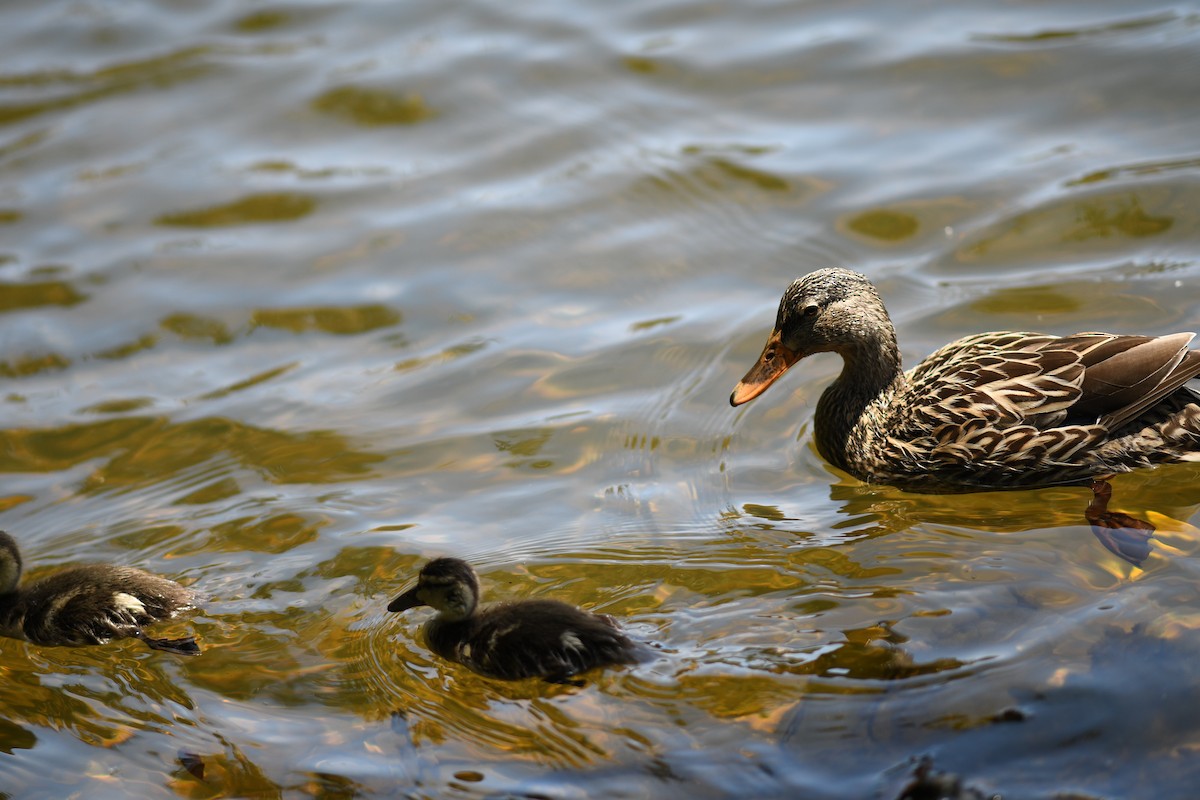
(10, 563)
(830, 310)
(448, 585)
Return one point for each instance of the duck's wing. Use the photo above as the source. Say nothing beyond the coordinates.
(1125, 375)
(1015, 378)
(986, 411)
(953, 356)
(990, 380)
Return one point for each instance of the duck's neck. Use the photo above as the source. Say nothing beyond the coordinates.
(871, 373)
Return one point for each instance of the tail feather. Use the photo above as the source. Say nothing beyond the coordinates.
(1171, 436)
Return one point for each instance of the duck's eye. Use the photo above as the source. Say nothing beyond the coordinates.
(769, 355)
(811, 310)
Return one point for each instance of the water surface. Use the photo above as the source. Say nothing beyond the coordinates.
(295, 295)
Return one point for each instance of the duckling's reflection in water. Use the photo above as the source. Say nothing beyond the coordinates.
(86, 605)
(544, 639)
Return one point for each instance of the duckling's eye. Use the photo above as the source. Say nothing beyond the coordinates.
(811, 310)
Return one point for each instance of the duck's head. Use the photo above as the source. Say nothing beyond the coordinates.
(830, 310)
(10, 563)
(448, 585)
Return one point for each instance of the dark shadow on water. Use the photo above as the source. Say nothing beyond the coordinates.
(15, 737)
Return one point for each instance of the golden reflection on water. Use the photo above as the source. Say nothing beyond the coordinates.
(131, 449)
(77, 88)
(246, 211)
(1073, 228)
(345, 321)
(365, 106)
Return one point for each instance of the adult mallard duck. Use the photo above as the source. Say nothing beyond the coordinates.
(999, 410)
(91, 604)
(526, 639)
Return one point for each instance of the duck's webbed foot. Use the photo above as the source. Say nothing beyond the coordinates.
(184, 646)
(1124, 536)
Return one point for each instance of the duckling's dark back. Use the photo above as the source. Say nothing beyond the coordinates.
(93, 604)
(87, 605)
(532, 638)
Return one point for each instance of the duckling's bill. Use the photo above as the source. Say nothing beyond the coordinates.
(406, 601)
(773, 362)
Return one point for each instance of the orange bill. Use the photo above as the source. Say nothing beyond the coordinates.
(773, 362)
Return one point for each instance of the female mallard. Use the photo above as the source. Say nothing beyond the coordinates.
(1001, 410)
(91, 604)
(525, 639)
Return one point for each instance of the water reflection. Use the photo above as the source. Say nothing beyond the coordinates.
(294, 297)
(1074, 226)
(15, 737)
(252, 210)
(367, 106)
(187, 327)
(35, 294)
(1136, 170)
(130, 449)
(79, 689)
(225, 773)
(1136, 22)
(66, 89)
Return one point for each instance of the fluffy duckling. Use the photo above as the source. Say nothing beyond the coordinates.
(526, 639)
(91, 604)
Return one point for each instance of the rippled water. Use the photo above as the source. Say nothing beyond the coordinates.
(296, 295)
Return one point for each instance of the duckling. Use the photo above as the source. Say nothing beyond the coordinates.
(544, 639)
(92, 604)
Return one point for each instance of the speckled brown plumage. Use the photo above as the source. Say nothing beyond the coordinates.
(88, 605)
(999, 410)
(525, 639)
